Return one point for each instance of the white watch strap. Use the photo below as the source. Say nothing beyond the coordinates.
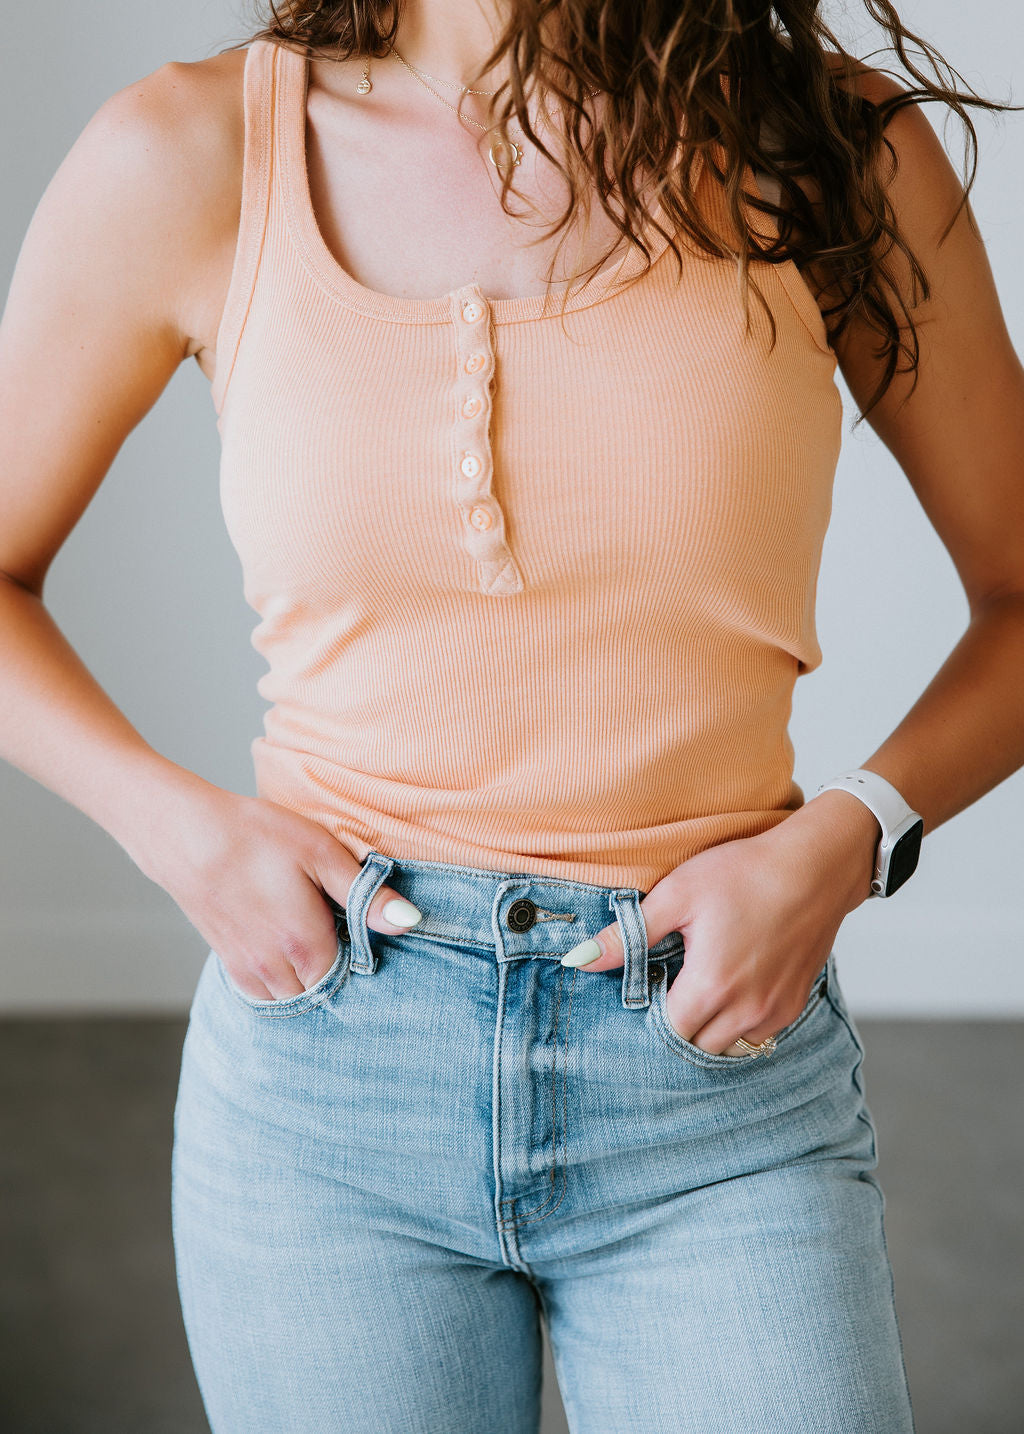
(877, 794)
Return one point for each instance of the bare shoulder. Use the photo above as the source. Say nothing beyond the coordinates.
(921, 183)
(178, 131)
(926, 196)
(864, 81)
(872, 84)
(118, 278)
(175, 139)
(922, 174)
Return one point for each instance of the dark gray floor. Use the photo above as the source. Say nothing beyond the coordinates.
(91, 1340)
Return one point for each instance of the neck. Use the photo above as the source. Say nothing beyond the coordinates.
(452, 38)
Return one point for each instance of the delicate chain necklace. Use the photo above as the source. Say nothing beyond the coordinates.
(503, 154)
(454, 84)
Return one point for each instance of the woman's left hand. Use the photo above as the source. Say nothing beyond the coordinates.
(758, 917)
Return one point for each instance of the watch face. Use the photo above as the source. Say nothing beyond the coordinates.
(903, 859)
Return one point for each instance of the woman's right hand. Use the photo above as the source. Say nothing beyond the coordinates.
(250, 875)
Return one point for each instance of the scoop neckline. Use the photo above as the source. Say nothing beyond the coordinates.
(290, 120)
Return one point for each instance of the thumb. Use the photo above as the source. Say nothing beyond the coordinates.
(389, 912)
(659, 911)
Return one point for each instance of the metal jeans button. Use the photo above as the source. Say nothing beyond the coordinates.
(521, 915)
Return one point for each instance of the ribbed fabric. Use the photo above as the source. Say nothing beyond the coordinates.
(533, 592)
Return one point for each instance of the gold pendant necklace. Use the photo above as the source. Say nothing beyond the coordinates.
(503, 154)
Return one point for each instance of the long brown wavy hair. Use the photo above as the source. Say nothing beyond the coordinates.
(661, 65)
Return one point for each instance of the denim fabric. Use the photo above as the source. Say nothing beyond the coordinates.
(381, 1186)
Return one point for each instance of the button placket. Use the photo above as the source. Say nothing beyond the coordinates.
(483, 527)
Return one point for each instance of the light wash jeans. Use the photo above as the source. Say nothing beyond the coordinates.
(382, 1185)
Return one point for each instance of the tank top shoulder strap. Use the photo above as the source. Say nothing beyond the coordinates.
(291, 181)
(783, 274)
(259, 79)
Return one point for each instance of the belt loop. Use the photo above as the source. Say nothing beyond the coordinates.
(635, 987)
(370, 877)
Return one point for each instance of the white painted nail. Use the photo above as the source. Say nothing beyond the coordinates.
(401, 912)
(582, 954)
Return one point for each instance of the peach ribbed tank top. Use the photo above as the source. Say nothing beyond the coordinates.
(533, 593)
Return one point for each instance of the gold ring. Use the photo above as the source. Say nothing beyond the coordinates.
(765, 1048)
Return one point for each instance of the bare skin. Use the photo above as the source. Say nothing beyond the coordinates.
(396, 162)
(123, 275)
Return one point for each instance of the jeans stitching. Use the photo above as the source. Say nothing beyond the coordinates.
(669, 1035)
(554, 1112)
(530, 876)
(858, 1081)
(892, 1298)
(532, 1217)
(303, 1005)
(855, 1075)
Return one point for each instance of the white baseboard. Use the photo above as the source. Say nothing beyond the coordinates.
(895, 959)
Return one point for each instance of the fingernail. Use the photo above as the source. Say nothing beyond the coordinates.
(401, 912)
(582, 954)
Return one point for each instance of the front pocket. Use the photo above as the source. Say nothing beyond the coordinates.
(660, 982)
(307, 1000)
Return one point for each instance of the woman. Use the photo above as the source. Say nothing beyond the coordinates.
(521, 998)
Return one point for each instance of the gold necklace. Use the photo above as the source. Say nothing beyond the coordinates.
(503, 154)
(454, 84)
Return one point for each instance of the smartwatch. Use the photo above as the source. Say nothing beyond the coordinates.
(902, 828)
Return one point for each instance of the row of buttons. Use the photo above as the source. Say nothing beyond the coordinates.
(484, 525)
(471, 465)
(473, 406)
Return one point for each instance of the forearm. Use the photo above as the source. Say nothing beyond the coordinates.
(963, 736)
(59, 727)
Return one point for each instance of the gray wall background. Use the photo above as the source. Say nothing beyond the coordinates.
(148, 589)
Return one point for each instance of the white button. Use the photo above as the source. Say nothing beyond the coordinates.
(470, 465)
(472, 407)
(475, 363)
(480, 518)
(472, 311)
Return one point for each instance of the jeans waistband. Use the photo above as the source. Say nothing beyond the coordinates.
(506, 915)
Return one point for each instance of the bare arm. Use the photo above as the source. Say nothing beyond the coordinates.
(103, 306)
(959, 439)
(759, 916)
(92, 332)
